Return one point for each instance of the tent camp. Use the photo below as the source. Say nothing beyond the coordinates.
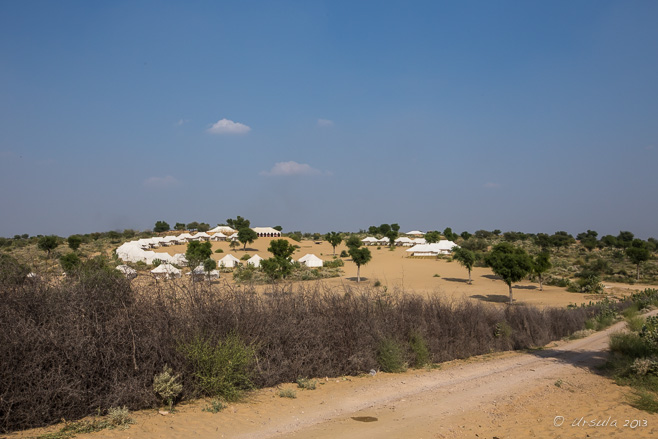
(165, 271)
(228, 261)
(266, 232)
(127, 271)
(370, 240)
(310, 260)
(443, 247)
(254, 260)
(185, 237)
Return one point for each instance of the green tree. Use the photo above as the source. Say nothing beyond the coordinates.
(624, 239)
(360, 256)
(561, 239)
(466, 258)
(608, 241)
(197, 252)
(281, 248)
(432, 237)
(638, 253)
(48, 243)
(209, 265)
(203, 227)
(161, 226)
(510, 263)
(74, 242)
(334, 239)
(179, 226)
(69, 262)
(540, 265)
(392, 235)
(465, 235)
(193, 225)
(233, 244)
(395, 227)
(449, 234)
(279, 228)
(247, 236)
(238, 223)
(353, 242)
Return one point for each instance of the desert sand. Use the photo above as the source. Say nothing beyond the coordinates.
(397, 272)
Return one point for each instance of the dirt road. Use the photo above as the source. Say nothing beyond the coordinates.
(553, 392)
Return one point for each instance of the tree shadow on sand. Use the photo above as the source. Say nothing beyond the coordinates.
(492, 277)
(353, 279)
(525, 287)
(455, 279)
(497, 298)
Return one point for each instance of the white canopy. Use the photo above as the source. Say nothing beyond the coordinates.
(201, 236)
(228, 261)
(310, 260)
(226, 230)
(369, 239)
(166, 270)
(415, 232)
(129, 272)
(219, 236)
(254, 260)
(443, 247)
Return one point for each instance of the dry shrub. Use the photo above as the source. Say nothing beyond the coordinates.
(93, 342)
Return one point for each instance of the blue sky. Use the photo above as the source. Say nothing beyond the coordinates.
(329, 115)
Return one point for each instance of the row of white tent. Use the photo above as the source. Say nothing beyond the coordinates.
(402, 241)
(443, 247)
(167, 270)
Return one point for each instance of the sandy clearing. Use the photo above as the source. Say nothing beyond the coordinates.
(506, 395)
(395, 271)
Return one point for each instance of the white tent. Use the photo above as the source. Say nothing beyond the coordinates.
(415, 232)
(228, 261)
(127, 271)
(369, 240)
(226, 230)
(201, 236)
(171, 240)
(310, 260)
(442, 247)
(201, 274)
(254, 260)
(184, 237)
(266, 232)
(404, 241)
(384, 241)
(179, 259)
(219, 236)
(166, 271)
(420, 241)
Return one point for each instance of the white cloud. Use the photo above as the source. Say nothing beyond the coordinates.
(225, 126)
(161, 182)
(284, 169)
(181, 122)
(492, 185)
(325, 123)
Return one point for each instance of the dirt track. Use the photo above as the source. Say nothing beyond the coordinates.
(505, 395)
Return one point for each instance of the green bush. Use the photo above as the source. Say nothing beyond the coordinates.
(307, 384)
(390, 356)
(630, 345)
(215, 406)
(167, 387)
(344, 254)
(219, 250)
(245, 257)
(420, 350)
(287, 393)
(222, 369)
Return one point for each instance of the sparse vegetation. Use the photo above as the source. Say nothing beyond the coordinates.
(287, 393)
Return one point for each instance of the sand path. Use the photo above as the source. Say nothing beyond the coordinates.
(505, 395)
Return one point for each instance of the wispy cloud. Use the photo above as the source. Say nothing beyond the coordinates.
(492, 185)
(181, 122)
(161, 182)
(325, 123)
(225, 126)
(284, 169)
